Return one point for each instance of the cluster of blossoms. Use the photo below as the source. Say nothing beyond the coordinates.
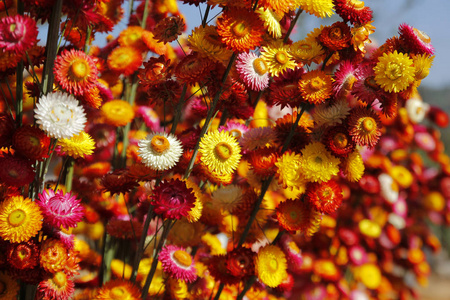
(238, 163)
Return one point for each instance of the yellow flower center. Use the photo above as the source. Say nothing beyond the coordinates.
(316, 83)
(122, 59)
(294, 248)
(369, 124)
(79, 70)
(305, 47)
(159, 143)
(60, 279)
(23, 253)
(393, 70)
(134, 36)
(422, 36)
(240, 30)
(183, 258)
(348, 85)
(281, 57)
(273, 265)
(260, 66)
(12, 27)
(356, 4)
(118, 292)
(336, 33)
(236, 133)
(223, 150)
(17, 217)
(340, 140)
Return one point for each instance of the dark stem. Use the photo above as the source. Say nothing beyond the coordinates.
(219, 291)
(288, 33)
(205, 17)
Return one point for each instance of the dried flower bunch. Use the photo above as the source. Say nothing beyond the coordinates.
(233, 162)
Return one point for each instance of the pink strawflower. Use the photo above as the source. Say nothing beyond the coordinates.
(19, 33)
(344, 78)
(235, 128)
(176, 262)
(416, 40)
(60, 209)
(357, 255)
(365, 88)
(253, 71)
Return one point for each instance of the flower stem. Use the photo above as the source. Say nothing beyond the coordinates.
(51, 47)
(177, 116)
(288, 33)
(167, 226)
(70, 164)
(205, 17)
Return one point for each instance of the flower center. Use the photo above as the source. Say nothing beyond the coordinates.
(393, 70)
(60, 113)
(356, 4)
(316, 83)
(305, 47)
(422, 36)
(223, 150)
(17, 217)
(240, 30)
(273, 265)
(369, 124)
(348, 85)
(79, 69)
(23, 253)
(118, 292)
(293, 215)
(336, 33)
(159, 143)
(340, 140)
(318, 160)
(236, 133)
(182, 258)
(293, 247)
(260, 66)
(123, 59)
(60, 279)
(371, 83)
(12, 27)
(281, 57)
(213, 39)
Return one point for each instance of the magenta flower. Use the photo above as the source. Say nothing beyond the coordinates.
(60, 209)
(19, 33)
(176, 262)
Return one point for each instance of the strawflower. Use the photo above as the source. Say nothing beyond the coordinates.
(271, 265)
(60, 115)
(177, 263)
(20, 219)
(60, 209)
(19, 33)
(317, 163)
(78, 146)
(160, 151)
(173, 199)
(394, 72)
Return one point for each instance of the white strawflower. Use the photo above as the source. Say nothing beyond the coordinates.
(160, 151)
(388, 188)
(60, 115)
(416, 109)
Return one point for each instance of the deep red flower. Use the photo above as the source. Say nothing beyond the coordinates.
(172, 199)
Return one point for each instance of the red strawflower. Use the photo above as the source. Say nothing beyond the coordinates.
(293, 215)
(6, 129)
(217, 266)
(262, 161)
(168, 29)
(155, 70)
(241, 29)
(58, 286)
(124, 229)
(338, 141)
(284, 91)
(31, 142)
(60, 209)
(23, 255)
(172, 199)
(326, 197)
(353, 11)
(364, 126)
(336, 37)
(118, 182)
(19, 33)
(344, 78)
(240, 262)
(15, 170)
(192, 69)
(75, 72)
(365, 88)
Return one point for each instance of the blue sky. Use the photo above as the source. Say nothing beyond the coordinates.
(430, 16)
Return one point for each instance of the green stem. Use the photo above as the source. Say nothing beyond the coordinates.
(88, 37)
(148, 281)
(145, 15)
(210, 114)
(70, 165)
(19, 80)
(51, 47)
